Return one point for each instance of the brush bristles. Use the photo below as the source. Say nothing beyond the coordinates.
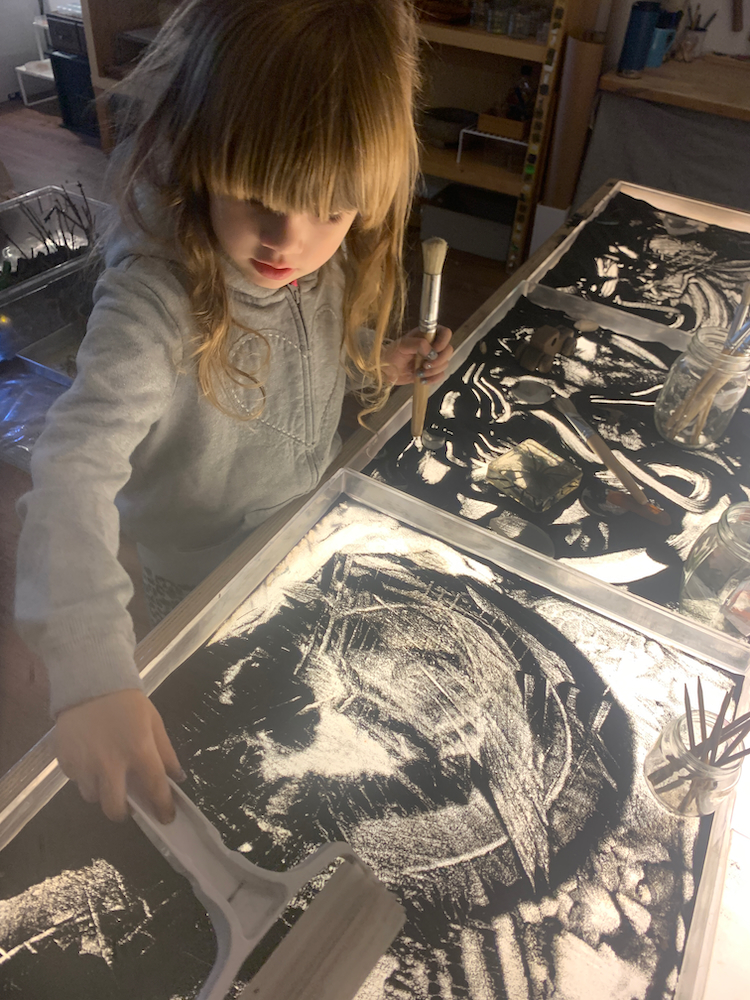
(433, 255)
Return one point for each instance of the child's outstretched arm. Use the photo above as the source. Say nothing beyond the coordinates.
(71, 591)
(399, 357)
(106, 742)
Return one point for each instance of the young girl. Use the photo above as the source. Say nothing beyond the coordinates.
(263, 197)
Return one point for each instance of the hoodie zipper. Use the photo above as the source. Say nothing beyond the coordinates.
(296, 304)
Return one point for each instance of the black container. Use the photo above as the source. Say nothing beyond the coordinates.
(75, 92)
(66, 34)
(640, 32)
(471, 219)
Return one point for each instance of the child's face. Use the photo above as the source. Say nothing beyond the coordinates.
(271, 249)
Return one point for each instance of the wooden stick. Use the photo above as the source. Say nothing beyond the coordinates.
(689, 717)
(735, 743)
(433, 259)
(718, 726)
(702, 713)
(739, 725)
(739, 729)
(737, 756)
(599, 447)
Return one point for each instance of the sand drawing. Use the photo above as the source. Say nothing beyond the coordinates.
(679, 272)
(613, 381)
(476, 738)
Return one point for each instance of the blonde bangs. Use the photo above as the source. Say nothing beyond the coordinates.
(329, 138)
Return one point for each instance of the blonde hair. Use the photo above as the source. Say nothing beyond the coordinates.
(303, 105)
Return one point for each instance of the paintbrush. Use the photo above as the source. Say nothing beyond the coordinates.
(587, 433)
(651, 511)
(433, 257)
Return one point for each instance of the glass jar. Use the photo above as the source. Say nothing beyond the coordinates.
(679, 780)
(716, 575)
(522, 23)
(498, 16)
(478, 14)
(702, 390)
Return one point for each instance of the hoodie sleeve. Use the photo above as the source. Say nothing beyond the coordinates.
(72, 593)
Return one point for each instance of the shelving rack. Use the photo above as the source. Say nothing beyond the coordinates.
(524, 185)
(37, 69)
(103, 20)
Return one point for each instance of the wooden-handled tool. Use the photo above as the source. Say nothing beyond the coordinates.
(433, 258)
(598, 446)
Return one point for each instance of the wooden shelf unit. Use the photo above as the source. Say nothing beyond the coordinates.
(524, 185)
(484, 41)
(471, 170)
(103, 20)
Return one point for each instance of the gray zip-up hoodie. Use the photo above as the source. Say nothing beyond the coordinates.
(133, 443)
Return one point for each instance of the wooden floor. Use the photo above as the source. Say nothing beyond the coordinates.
(36, 150)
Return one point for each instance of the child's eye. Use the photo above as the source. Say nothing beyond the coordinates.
(333, 219)
(259, 207)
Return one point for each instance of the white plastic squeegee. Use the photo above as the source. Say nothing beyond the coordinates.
(330, 950)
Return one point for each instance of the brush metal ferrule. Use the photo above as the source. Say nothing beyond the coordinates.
(428, 308)
(584, 430)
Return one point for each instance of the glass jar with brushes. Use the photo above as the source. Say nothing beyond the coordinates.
(716, 575)
(703, 388)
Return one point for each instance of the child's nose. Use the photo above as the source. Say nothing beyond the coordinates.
(283, 233)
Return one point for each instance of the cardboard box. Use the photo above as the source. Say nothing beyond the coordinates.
(505, 127)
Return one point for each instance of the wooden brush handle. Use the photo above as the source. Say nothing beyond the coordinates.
(419, 408)
(433, 255)
(597, 445)
(421, 392)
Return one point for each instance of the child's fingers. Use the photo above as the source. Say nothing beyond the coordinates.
(112, 795)
(433, 370)
(88, 786)
(442, 338)
(416, 343)
(166, 751)
(152, 781)
(429, 379)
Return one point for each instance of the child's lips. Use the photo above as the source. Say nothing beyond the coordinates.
(269, 271)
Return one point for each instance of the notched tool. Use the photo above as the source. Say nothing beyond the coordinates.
(329, 951)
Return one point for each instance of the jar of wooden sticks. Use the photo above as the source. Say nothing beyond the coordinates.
(702, 390)
(685, 776)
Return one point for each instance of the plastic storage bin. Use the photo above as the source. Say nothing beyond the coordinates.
(54, 298)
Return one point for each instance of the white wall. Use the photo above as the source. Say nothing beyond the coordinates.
(17, 44)
(720, 37)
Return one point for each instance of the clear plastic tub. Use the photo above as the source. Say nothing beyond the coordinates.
(60, 294)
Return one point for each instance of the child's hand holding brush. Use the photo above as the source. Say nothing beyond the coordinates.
(413, 357)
